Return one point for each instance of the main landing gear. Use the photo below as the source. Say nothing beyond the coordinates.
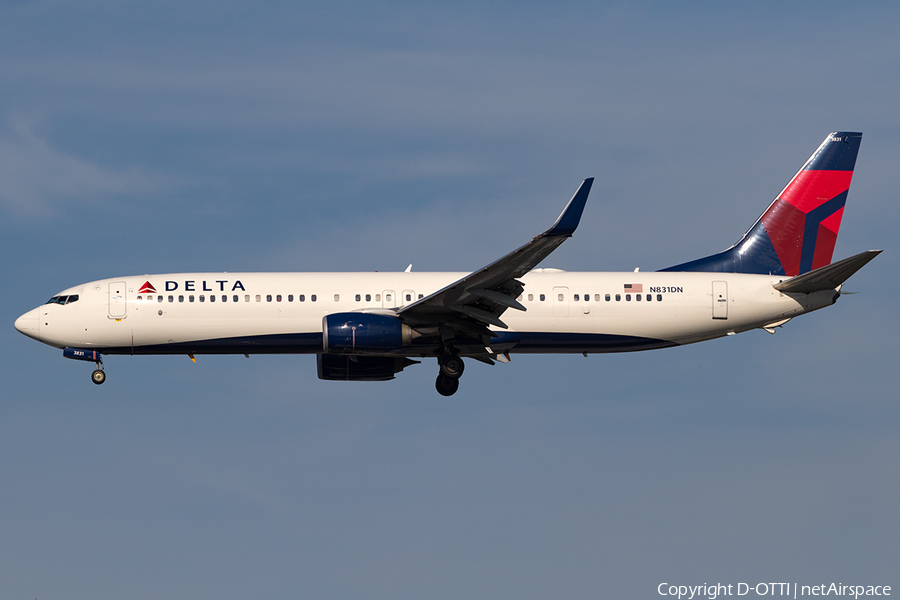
(451, 369)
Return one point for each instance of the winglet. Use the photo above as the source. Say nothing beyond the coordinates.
(571, 214)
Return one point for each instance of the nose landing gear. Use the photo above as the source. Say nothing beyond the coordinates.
(99, 375)
(451, 369)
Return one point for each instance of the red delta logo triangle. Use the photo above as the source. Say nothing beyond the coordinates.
(147, 288)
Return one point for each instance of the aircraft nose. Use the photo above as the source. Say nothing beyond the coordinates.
(30, 324)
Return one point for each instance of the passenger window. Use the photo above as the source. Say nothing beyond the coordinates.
(159, 298)
(312, 298)
(278, 298)
(637, 297)
(190, 298)
(649, 297)
(224, 298)
(542, 297)
(246, 297)
(575, 297)
(268, 297)
(627, 297)
(290, 297)
(530, 297)
(202, 298)
(587, 297)
(301, 298)
(618, 297)
(258, 298)
(358, 297)
(606, 297)
(377, 297)
(235, 298)
(597, 297)
(181, 298)
(421, 296)
(171, 298)
(337, 297)
(52, 300)
(368, 297)
(659, 297)
(212, 297)
(560, 297)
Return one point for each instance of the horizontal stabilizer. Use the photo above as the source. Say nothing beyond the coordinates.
(828, 277)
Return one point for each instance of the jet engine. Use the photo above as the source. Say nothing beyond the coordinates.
(363, 333)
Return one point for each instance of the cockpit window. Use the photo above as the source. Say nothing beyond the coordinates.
(63, 299)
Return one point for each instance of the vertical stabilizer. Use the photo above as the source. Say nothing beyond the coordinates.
(798, 231)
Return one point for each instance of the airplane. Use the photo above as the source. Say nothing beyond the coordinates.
(371, 326)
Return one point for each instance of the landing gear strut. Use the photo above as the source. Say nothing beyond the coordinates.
(451, 369)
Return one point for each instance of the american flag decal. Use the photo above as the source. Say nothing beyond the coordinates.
(637, 288)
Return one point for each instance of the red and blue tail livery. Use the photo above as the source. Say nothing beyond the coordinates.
(798, 231)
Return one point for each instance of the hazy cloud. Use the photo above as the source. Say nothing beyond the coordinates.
(37, 178)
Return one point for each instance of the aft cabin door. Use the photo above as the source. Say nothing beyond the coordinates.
(117, 300)
(720, 299)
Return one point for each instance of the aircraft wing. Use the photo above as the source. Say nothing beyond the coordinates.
(466, 307)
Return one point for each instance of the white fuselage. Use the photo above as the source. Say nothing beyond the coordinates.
(246, 313)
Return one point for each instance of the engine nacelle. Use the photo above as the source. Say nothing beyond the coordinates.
(360, 368)
(363, 333)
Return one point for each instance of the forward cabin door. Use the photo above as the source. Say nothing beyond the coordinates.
(720, 299)
(117, 299)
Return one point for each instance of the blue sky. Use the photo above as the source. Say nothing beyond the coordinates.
(141, 138)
